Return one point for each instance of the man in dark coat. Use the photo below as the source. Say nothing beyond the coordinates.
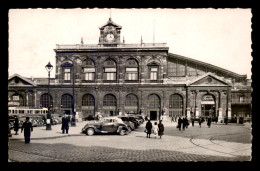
(27, 127)
(200, 120)
(16, 125)
(179, 123)
(161, 129)
(148, 127)
(209, 122)
(192, 121)
(184, 123)
(65, 124)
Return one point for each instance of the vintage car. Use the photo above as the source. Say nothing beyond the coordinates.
(139, 118)
(109, 125)
(127, 121)
(132, 119)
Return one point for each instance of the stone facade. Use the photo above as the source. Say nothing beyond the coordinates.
(114, 78)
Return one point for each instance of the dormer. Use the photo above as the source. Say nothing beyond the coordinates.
(110, 34)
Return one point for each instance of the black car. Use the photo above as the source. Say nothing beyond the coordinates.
(132, 119)
(109, 125)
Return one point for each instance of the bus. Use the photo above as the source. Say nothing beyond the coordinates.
(37, 115)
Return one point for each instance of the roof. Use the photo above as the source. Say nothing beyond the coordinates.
(110, 22)
(206, 64)
(23, 78)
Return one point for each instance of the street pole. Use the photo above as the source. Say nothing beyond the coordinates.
(73, 95)
(48, 121)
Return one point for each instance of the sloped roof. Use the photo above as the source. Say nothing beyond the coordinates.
(171, 55)
(23, 78)
(110, 22)
(212, 75)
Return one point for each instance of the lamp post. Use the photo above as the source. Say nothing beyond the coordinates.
(48, 67)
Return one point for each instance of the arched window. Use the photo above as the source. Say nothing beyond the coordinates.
(110, 69)
(88, 100)
(131, 100)
(44, 100)
(131, 69)
(88, 70)
(154, 101)
(175, 105)
(175, 101)
(66, 101)
(109, 100)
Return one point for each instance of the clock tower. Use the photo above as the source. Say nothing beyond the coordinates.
(110, 34)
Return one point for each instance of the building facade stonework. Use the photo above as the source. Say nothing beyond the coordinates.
(114, 78)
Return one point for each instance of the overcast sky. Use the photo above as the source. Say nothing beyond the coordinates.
(221, 37)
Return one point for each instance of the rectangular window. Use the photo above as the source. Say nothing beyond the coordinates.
(89, 76)
(110, 76)
(15, 97)
(66, 74)
(153, 75)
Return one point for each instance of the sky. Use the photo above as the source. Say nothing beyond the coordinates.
(221, 37)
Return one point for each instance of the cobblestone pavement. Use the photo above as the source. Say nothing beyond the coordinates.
(218, 143)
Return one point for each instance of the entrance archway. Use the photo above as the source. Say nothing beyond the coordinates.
(208, 106)
(154, 106)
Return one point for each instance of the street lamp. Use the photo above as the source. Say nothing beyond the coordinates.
(48, 67)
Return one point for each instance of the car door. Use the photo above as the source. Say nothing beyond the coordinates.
(108, 126)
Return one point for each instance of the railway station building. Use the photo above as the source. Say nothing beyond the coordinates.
(115, 78)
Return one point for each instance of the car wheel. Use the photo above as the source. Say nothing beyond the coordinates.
(122, 132)
(90, 131)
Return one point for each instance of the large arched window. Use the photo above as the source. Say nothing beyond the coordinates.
(131, 70)
(88, 100)
(131, 100)
(88, 70)
(110, 69)
(109, 100)
(44, 100)
(66, 101)
(175, 105)
(154, 101)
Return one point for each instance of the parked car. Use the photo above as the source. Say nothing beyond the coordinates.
(139, 118)
(127, 121)
(132, 119)
(109, 125)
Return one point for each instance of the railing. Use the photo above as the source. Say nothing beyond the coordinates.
(240, 100)
(97, 46)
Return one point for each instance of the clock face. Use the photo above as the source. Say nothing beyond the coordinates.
(110, 37)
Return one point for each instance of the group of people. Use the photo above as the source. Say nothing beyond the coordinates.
(182, 123)
(155, 129)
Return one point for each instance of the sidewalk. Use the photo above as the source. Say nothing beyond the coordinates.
(42, 133)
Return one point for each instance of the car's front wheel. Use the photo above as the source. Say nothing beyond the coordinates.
(90, 131)
(122, 132)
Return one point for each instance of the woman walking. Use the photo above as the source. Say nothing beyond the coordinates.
(161, 129)
(155, 129)
(148, 127)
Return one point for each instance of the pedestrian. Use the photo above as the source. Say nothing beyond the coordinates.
(148, 127)
(160, 129)
(184, 123)
(175, 118)
(155, 129)
(200, 120)
(27, 127)
(179, 123)
(16, 125)
(65, 124)
(192, 121)
(209, 121)
(172, 119)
